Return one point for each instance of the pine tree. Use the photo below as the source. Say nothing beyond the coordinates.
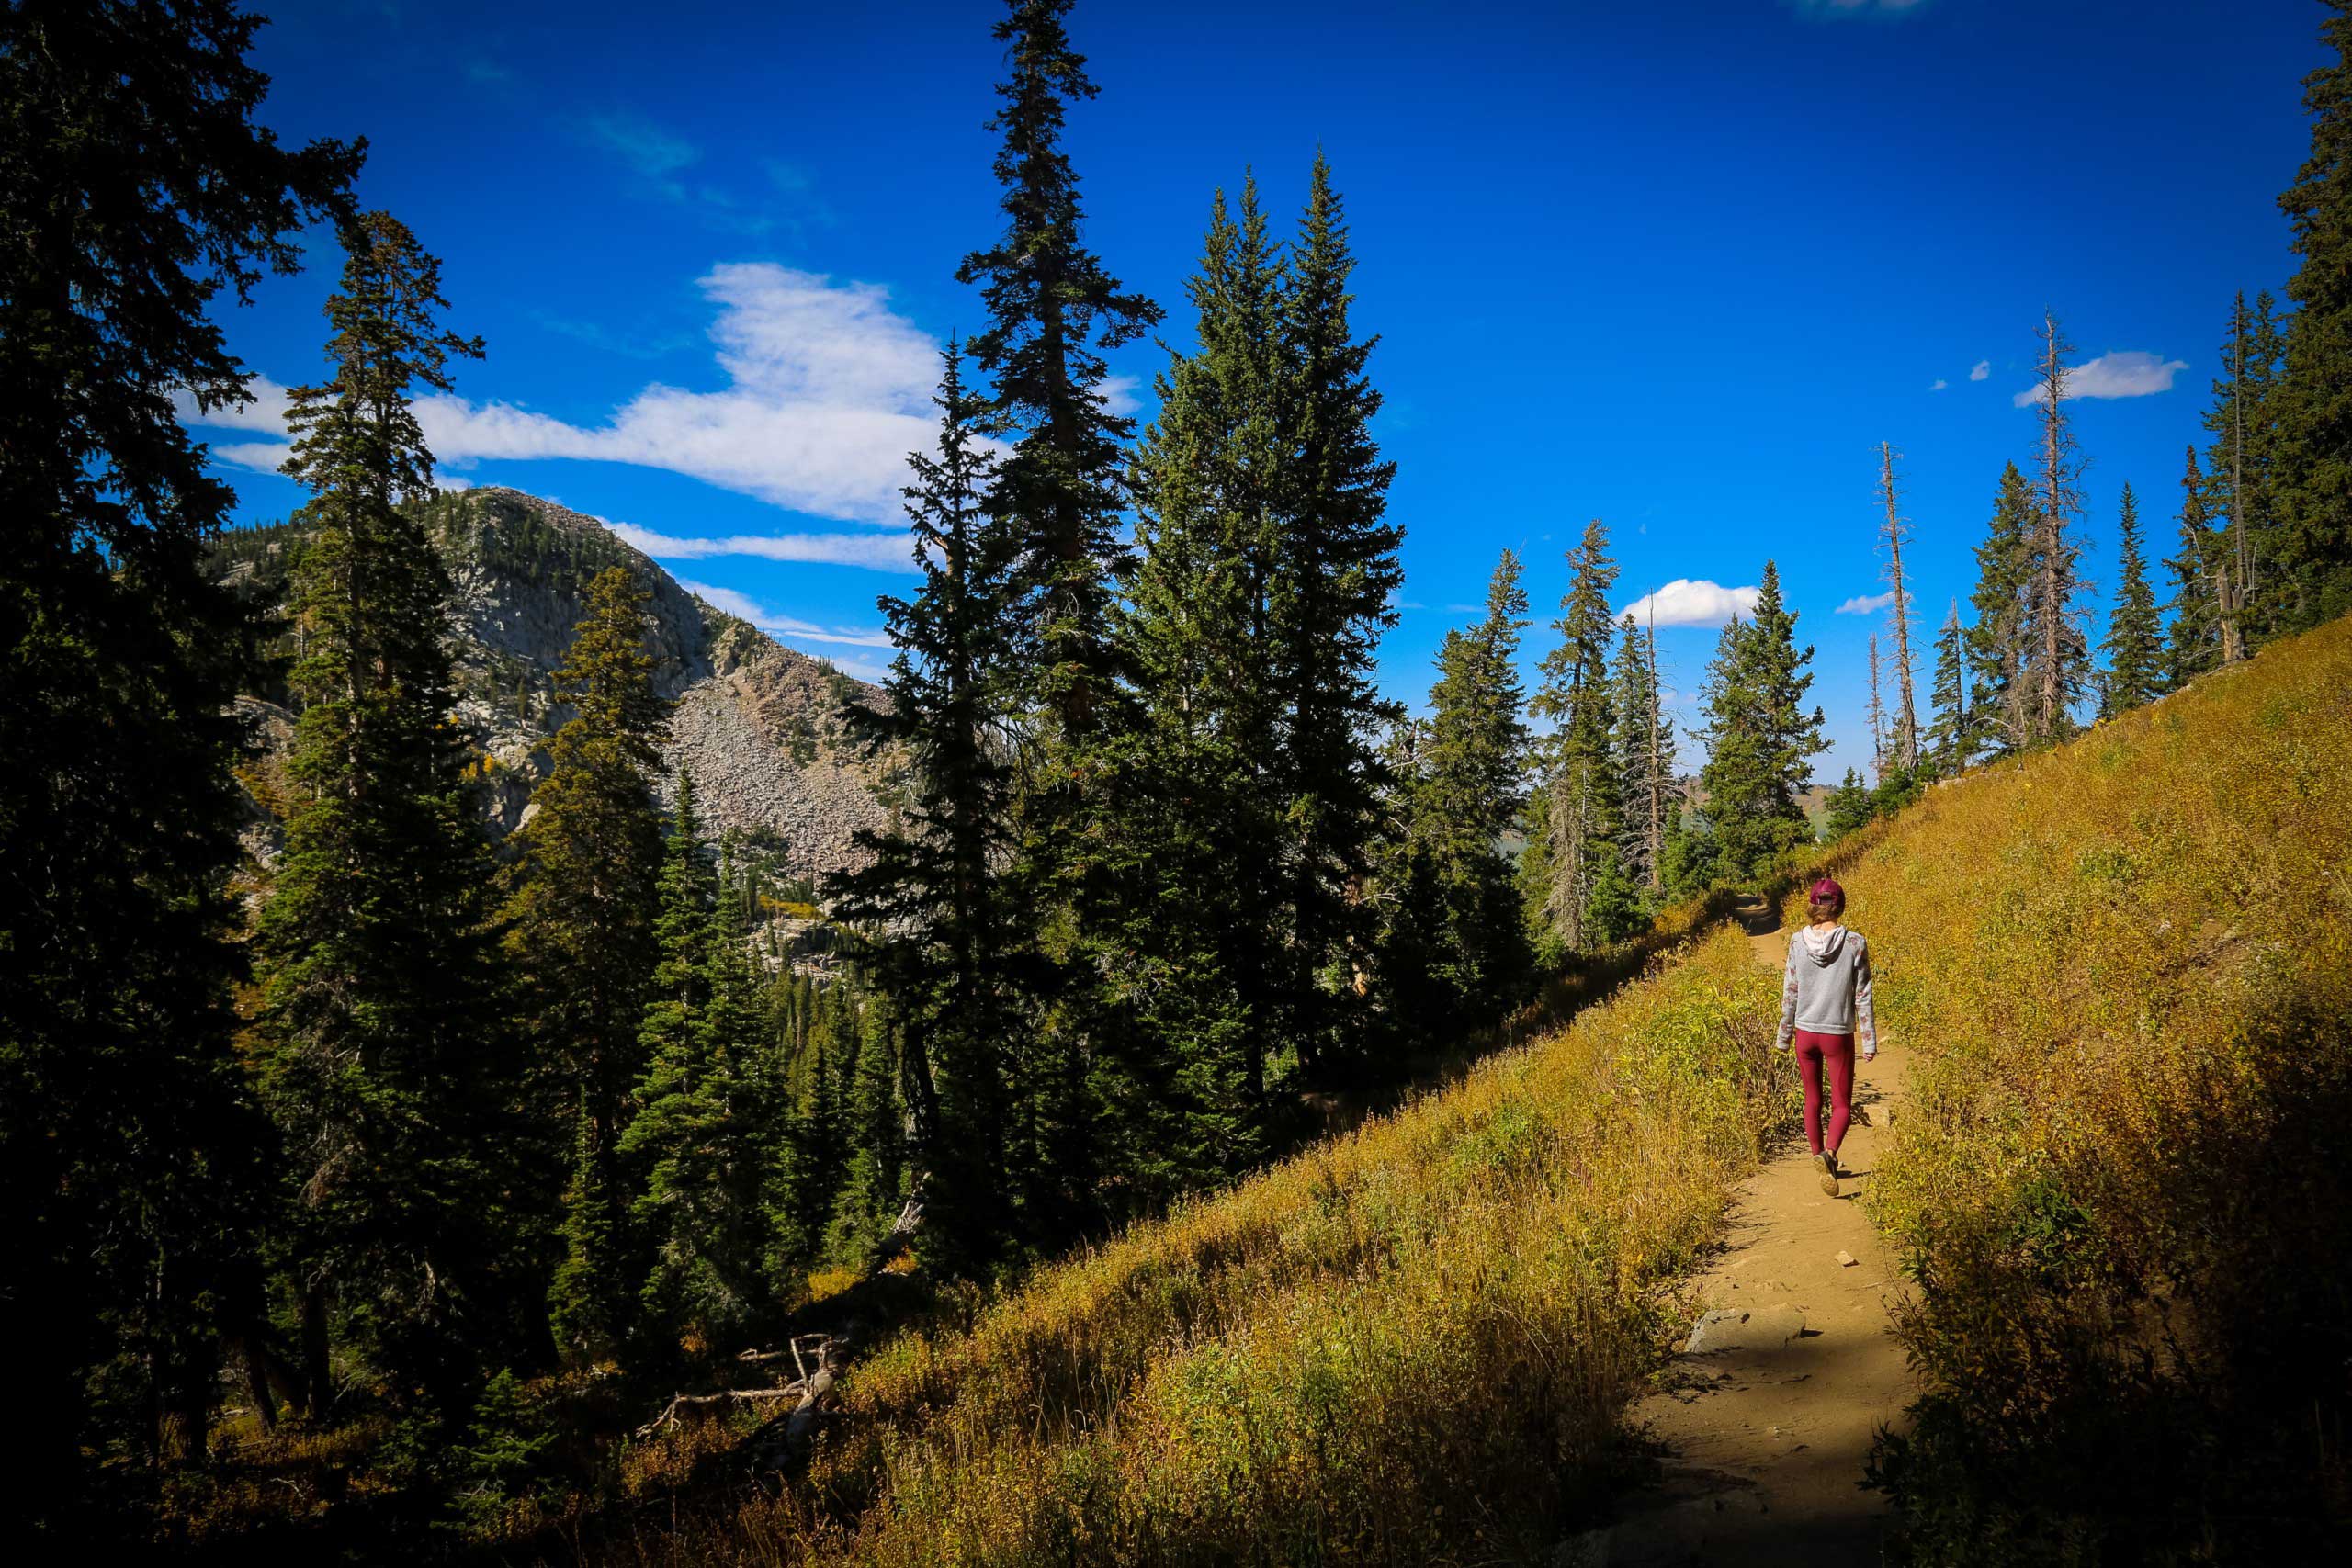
(1455, 945)
(1996, 640)
(1951, 735)
(2134, 645)
(1200, 639)
(1584, 813)
(138, 186)
(2240, 481)
(2057, 653)
(709, 1118)
(2193, 641)
(1332, 598)
(2314, 393)
(1781, 681)
(1849, 808)
(934, 893)
(1892, 531)
(1056, 503)
(814, 1149)
(580, 919)
(381, 1021)
(1053, 311)
(876, 1183)
(1761, 739)
(1641, 745)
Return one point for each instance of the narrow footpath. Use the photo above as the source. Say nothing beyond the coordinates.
(1766, 1420)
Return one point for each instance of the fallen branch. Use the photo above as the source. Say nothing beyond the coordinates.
(669, 1416)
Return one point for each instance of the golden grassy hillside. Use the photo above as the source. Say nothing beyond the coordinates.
(2124, 1188)
(1413, 1340)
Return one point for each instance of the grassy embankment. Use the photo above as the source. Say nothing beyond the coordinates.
(1411, 1342)
(2125, 1185)
(2127, 969)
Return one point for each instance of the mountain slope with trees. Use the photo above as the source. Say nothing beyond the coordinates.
(758, 724)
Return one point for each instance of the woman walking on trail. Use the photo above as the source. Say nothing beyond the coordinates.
(1826, 1007)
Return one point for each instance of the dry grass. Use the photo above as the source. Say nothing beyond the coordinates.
(2128, 967)
(1412, 1343)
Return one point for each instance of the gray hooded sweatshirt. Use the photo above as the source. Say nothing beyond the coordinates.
(1826, 987)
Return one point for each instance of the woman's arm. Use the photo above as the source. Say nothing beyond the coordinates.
(1788, 998)
(1865, 1021)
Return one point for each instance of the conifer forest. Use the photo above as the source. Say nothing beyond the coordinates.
(1115, 1082)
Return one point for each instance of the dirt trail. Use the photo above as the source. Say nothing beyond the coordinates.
(1766, 1425)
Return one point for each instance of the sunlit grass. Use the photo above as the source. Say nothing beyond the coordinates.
(1413, 1340)
(2127, 966)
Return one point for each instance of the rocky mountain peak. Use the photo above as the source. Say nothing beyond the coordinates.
(754, 722)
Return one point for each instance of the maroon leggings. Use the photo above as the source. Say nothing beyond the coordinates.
(1835, 1052)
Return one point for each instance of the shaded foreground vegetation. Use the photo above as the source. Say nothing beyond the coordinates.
(2126, 1187)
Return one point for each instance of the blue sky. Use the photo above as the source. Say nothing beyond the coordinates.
(1680, 264)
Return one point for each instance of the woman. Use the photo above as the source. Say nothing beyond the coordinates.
(1825, 1005)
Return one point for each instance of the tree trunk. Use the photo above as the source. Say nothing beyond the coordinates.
(318, 1377)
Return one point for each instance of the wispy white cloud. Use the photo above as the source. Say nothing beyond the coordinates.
(829, 390)
(644, 146)
(744, 607)
(1982, 368)
(876, 552)
(1939, 385)
(1693, 602)
(661, 161)
(2126, 375)
(1866, 604)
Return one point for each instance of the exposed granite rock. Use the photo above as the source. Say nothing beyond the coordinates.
(754, 721)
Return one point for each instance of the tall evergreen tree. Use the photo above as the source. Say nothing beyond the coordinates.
(2314, 393)
(2193, 640)
(1760, 737)
(1949, 733)
(1205, 657)
(2239, 479)
(1055, 502)
(1456, 944)
(135, 187)
(1996, 638)
(1333, 596)
(580, 919)
(1584, 813)
(935, 889)
(710, 1118)
(875, 1182)
(1642, 745)
(381, 1016)
(1053, 311)
(2057, 651)
(2134, 644)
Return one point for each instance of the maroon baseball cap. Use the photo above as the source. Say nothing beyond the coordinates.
(1827, 889)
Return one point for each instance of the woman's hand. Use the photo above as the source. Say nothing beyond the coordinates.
(1871, 1054)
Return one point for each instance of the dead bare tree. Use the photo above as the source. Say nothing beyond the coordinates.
(1656, 767)
(2057, 651)
(1892, 531)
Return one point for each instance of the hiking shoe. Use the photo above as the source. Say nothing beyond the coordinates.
(1828, 1163)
